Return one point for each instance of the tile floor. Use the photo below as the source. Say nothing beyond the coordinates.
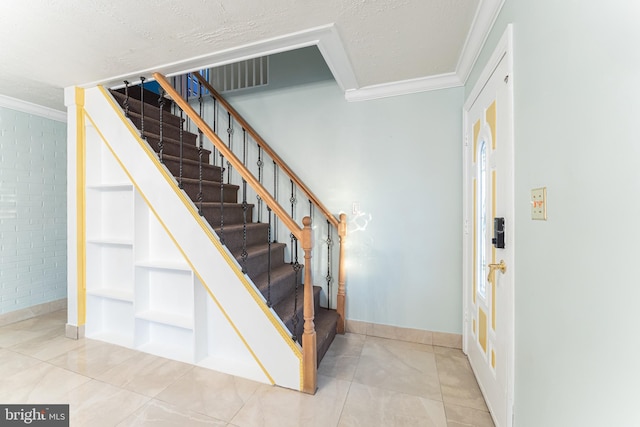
(363, 381)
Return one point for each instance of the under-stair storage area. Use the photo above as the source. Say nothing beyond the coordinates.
(154, 280)
(174, 264)
(141, 293)
(165, 291)
(109, 247)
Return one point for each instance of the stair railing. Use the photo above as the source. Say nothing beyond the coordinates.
(339, 223)
(302, 234)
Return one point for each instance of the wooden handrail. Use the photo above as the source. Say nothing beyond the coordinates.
(268, 150)
(340, 224)
(231, 158)
(304, 235)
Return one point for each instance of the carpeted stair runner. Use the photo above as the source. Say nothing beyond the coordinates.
(283, 289)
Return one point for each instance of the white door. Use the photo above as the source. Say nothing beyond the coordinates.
(488, 264)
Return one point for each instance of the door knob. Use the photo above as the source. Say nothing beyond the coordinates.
(493, 267)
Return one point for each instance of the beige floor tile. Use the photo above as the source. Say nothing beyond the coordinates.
(98, 404)
(363, 380)
(459, 386)
(12, 363)
(47, 347)
(210, 393)
(10, 337)
(161, 414)
(399, 345)
(372, 407)
(145, 373)
(341, 360)
(93, 358)
(467, 417)
(40, 383)
(280, 407)
(399, 366)
(448, 351)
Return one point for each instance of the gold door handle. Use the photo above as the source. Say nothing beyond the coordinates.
(493, 267)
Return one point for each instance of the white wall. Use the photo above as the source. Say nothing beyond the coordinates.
(577, 105)
(400, 159)
(33, 192)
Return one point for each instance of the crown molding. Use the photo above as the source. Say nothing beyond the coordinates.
(330, 45)
(405, 87)
(31, 108)
(486, 16)
(483, 21)
(326, 37)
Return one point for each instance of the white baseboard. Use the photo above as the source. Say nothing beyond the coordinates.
(420, 336)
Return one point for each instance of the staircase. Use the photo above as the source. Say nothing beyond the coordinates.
(262, 260)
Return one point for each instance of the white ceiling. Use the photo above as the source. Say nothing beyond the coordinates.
(46, 45)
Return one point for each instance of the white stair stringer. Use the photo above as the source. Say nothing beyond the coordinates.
(235, 314)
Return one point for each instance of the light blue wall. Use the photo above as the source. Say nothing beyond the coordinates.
(400, 159)
(33, 210)
(577, 109)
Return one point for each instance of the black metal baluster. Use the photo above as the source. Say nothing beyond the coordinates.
(245, 206)
(260, 164)
(200, 154)
(222, 200)
(296, 268)
(269, 260)
(230, 133)
(293, 201)
(125, 104)
(181, 145)
(215, 129)
(275, 196)
(161, 102)
(244, 146)
(142, 79)
(174, 83)
(185, 88)
(328, 277)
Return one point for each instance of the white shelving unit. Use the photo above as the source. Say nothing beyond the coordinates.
(141, 293)
(109, 247)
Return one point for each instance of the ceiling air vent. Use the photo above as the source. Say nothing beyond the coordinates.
(240, 75)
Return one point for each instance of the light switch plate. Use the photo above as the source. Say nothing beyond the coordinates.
(539, 203)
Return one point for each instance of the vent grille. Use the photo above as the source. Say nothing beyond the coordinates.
(227, 78)
(240, 75)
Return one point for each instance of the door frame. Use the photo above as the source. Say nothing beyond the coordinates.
(503, 51)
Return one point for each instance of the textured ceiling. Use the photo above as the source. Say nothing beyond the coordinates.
(46, 45)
